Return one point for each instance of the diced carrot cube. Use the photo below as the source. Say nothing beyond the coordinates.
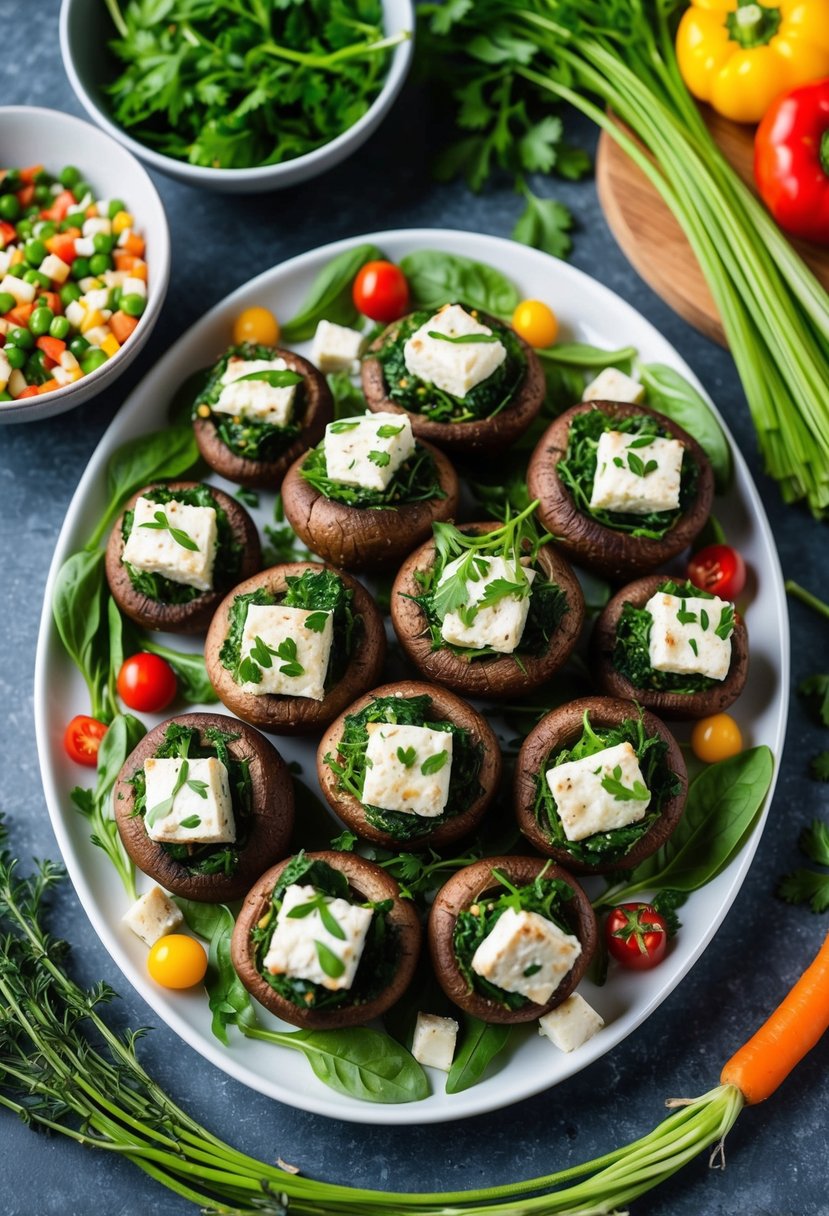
(135, 245)
(19, 315)
(48, 386)
(52, 348)
(30, 173)
(122, 325)
(31, 391)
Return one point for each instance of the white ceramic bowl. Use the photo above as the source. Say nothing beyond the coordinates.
(29, 136)
(85, 30)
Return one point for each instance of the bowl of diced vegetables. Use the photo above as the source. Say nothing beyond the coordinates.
(84, 261)
(234, 98)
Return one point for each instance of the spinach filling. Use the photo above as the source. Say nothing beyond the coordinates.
(188, 743)
(661, 782)
(546, 896)
(631, 653)
(485, 400)
(350, 764)
(249, 438)
(578, 469)
(314, 591)
(415, 481)
(229, 551)
(379, 960)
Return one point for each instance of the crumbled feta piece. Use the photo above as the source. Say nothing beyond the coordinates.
(585, 806)
(526, 953)
(571, 1023)
(291, 655)
(255, 399)
(24, 293)
(454, 367)
(433, 1043)
(294, 946)
(54, 268)
(690, 636)
(395, 759)
(368, 451)
(336, 347)
(637, 474)
(153, 916)
(497, 626)
(84, 246)
(155, 550)
(196, 809)
(613, 385)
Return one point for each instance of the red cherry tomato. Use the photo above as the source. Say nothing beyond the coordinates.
(637, 936)
(381, 292)
(82, 738)
(146, 682)
(718, 569)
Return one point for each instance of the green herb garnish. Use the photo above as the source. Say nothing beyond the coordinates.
(250, 438)
(463, 339)
(631, 652)
(161, 523)
(415, 481)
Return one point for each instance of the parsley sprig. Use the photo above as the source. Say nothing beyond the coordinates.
(613, 784)
(161, 523)
(805, 885)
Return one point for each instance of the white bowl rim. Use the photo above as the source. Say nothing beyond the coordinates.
(205, 174)
(161, 267)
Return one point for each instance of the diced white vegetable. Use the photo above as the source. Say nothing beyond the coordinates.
(97, 298)
(54, 268)
(75, 313)
(24, 293)
(454, 367)
(96, 224)
(17, 382)
(293, 949)
(613, 385)
(335, 348)
(5, 371)
(155, 550)
(584, 805)
(153, 916)
(498, 626)
(571, 1023)
(634, 476)
(368, 451)
(526, 953)
(201, 811)
(683, 636)
(395, 759)
(433, 1043)
(255, 399)
(133, 287)
(84, 246)
(292, 657)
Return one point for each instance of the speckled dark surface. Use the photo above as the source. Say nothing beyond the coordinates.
(777, 1154)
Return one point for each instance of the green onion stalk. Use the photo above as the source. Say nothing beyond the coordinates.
(64, 1070)
(614, 61)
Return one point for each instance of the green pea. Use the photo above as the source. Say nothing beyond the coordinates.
(69, 177)
(40, 320)
(47, 229)
(16, 355)
(58, 328)
(80, 268)
(114, 300)
(36, 278)
(32, 213)
(43, 195)
(9, 207)
(18, 336)
(35, 251)
(12, 180)
(116, 205)
(103, 242)
(100, 262)
(79, 346)
(42, 178)
(7, 302)
(74, 219)
(82, 189)
(92, 360)
(35, 369)
(133, 305)
(69, 292)
(25, 228)
(4, 396)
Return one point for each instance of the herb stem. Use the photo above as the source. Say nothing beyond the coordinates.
(117, 18)
(806, 597)
(332, 61)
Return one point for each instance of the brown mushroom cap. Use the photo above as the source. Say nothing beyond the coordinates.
(668, 704)
(447, 707)
(268, 474)
(497, 676)
(485, 435)
(610, 552)
(272, 813)
(365, 538)
(561, 728)
(194, 616)
(297, 715)
(369, 882)
(469, 886)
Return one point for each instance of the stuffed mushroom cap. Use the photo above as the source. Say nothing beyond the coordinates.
(672, 705)
(368, 882)
(560, 729)
(271, 814)
(587, 542)
(473, 884)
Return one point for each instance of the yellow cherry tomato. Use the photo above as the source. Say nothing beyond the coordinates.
(256, 325)
(716, 738)
(177, 961)
(535, 323)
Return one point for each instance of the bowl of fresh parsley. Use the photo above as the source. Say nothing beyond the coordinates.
(238, 98)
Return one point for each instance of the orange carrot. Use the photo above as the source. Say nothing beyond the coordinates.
(52, 348)
(122, 325)
(764, 1062)
(123, 260)
(48, 386)
(31, 391)
(19, 315)
(134, 244)
(30, 173)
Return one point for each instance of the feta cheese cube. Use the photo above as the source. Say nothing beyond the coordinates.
(498, 626)
(155, 550)
(571, 1023)
(368, 451)
(433, 1044)
(584, 805)
(613, 385)
(75, 313)
(133, 287)
(255, 399)
(194, 809)
(526, 953)
(54, 268)
(153, 916)
(96, 224)
(24, 293)
(336, 348)
(291, 656)
(396, 757)
(684, 635)
(636, 474)
(84, 246)
(453, 367)
(294, 946)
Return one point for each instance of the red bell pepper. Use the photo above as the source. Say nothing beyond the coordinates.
(791, 161)
(8, 234)
(61, 206)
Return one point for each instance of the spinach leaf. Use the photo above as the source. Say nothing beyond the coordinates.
(584, 357)
(482, 1041)
(77, 608)
(443, 278)
(672, 395)
(229, 1000)
(191, 673)
(330, 296)
(361, 1063)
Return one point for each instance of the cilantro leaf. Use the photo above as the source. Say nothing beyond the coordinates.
(538, 148)
(814, 841)
(815, 691)
(638, 792)
(805, 886)
(544, 225)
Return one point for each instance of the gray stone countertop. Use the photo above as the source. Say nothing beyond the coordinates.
(777, 1153)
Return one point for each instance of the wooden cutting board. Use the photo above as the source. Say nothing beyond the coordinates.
(654, 242)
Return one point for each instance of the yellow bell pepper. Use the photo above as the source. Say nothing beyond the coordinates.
(739, 55)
